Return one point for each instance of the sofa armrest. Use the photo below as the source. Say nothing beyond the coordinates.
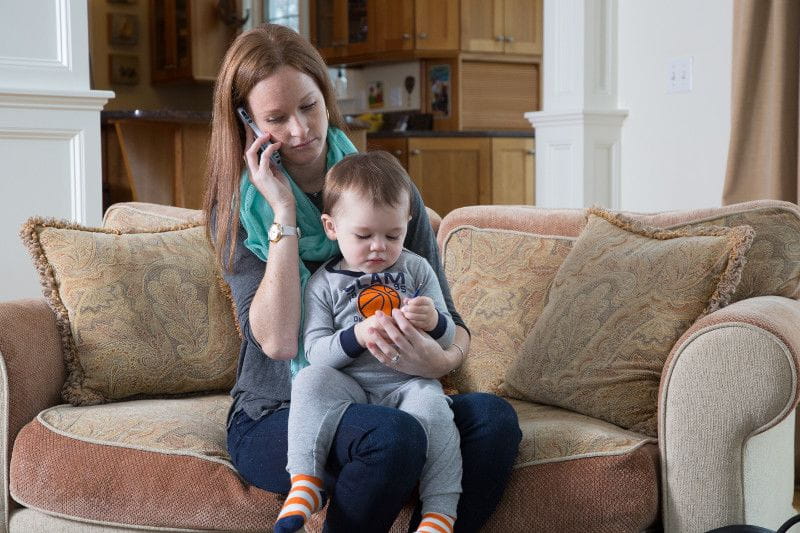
(31, 373)
(726, 436)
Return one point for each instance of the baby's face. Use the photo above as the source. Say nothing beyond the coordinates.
(370, 236)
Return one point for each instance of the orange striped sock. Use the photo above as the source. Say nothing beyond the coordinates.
(305, 498)
(436, 523)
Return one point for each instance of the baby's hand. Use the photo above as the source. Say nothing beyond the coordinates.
(421, 312)
(368, 330)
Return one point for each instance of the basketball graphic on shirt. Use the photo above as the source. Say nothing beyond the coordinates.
(378, 298)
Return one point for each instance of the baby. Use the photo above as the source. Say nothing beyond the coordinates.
(367, 206)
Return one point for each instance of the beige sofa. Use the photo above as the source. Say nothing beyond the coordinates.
(724, 451)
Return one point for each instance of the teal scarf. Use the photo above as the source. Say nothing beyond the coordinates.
(256, 216)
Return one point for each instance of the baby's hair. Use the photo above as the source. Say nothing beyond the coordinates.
(376, 175)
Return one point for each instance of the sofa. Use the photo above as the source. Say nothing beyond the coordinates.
(725, 394)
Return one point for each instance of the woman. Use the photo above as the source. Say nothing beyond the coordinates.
(377, 456)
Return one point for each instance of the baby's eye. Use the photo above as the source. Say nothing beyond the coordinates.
(392, 237)
(363, 237)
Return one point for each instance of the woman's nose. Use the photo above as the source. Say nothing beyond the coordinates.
(298, 126)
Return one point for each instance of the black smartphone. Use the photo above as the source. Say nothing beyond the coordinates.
(249, 122)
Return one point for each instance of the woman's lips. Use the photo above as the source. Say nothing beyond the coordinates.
(303, 145)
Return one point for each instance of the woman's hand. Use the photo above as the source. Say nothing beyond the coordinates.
(400, 345)
(265, 176)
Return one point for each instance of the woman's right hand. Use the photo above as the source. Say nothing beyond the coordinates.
(265, 176)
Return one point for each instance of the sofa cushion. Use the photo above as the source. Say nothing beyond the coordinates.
(499, 280)
(617, 305)
(168, 466)
(139, 313)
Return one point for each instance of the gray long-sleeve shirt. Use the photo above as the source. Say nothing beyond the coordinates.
(264, 384)
(332, 306)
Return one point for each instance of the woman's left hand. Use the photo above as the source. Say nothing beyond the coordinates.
(403, 347)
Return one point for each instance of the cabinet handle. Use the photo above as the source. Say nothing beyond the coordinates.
(499, 38)
(509, 39)
(398, 153)
(415, 151)
(423, 35)
(406, 36)
(530, 152)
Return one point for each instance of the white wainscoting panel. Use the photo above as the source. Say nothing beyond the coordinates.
(51, 167)
(44, 44)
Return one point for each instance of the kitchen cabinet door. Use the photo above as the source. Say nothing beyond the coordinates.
(394, 25)
(437, 24)
(482, 26)
(397, 146)
(187, 40)
(451, 172)
(502, 26)
(342, 28)
(513, 171)
(522, 22)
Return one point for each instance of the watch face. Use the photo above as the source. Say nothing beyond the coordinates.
(274, 232)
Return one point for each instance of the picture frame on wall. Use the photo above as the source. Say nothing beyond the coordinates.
(439, 77)
(123, 69)
(123, 29)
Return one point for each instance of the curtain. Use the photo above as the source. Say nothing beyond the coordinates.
(763, 151)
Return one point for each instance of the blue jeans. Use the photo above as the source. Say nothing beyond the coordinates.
(377, 456)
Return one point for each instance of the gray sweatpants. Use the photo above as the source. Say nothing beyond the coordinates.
(321, 394)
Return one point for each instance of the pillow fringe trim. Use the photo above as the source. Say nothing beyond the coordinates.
(740, 239)
(73, 390)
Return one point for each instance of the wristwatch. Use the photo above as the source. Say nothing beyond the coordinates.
(278, 231)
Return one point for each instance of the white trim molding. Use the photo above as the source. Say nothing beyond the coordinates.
(67, 100)
(579, 130)
(578, 163)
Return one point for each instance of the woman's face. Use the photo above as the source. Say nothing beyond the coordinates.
(290, 107)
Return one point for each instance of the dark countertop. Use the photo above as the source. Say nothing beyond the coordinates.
(160, 115)
(433, 133)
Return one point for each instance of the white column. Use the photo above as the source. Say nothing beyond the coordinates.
(50, 146)
(579, 129)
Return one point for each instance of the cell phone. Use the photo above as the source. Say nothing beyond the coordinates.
(249, 122)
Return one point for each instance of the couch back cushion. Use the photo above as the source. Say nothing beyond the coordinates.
(499, 279)
(617, 305)
(140, 314)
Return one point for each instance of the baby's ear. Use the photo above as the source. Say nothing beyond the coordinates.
(329, 225)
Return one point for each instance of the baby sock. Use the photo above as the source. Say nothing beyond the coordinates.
(305, 498)
(436, 523)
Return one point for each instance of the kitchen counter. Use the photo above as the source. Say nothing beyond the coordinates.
(157, 115)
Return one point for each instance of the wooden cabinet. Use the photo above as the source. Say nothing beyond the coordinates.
(502, 26)
(397, 146)
(364, 30)
(343, 28)
(154, 161)
(513, 171)
(436, 24)
(453, 172)
(187, 40)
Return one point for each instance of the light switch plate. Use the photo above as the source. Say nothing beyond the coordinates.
(679, 75)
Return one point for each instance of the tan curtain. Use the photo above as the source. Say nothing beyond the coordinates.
(763, 152)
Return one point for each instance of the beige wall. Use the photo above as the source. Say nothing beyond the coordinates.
(191, 97)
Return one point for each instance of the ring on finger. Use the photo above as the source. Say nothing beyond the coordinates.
(395, 358)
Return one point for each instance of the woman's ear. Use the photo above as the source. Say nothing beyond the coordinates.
(329, 225)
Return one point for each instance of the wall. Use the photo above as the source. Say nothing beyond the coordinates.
(674, 146)
(143, 95)
(395, 96)
(49, 128)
